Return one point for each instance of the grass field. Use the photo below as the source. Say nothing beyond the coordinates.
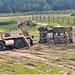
(27, 67)
(64, 19)
(11, 63)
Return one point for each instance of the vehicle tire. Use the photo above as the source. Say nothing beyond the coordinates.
(2, 46)
(31, 42)
(19, 43)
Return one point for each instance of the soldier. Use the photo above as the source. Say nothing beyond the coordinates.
(25, 33)
(20, 25)
(67, 38)
(56, 39)
(29, 23)
(61, 38)
(48, 38)
(26, 41)
(70, 35)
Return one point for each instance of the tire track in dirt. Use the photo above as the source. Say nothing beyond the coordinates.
(43, 53)
(27, 55)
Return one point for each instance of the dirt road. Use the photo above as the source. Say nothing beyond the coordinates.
(62, 56)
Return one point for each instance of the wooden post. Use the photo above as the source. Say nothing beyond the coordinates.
(68, 20)
(58, 19)
(62, 20)
(73, 21)
(44, 17)
(53, 19)
(48, 18)
(40, 17)
(36, 17)
(32, 17)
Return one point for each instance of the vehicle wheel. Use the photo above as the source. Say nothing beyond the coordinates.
(19, 43)
(31, 42)
(2, 46)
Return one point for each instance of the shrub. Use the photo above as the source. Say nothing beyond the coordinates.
(34, 23)
(8, 22)
(73, 14)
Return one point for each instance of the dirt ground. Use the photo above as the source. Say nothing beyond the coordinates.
(62, 56)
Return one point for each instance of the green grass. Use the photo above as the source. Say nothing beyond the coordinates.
(55, 70)
(14, 14)
(34, 23)
(68, 54)
(5, 25)
(33, 71)
(24, 62)
(64, 19)
(41, 66)
(20, 69)
(6, 68)
(8, 22)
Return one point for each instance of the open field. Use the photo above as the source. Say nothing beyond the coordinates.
(15, 18)
(64, 19)
(38, 59)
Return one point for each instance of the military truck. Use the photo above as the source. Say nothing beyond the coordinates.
(57, 35)
(14, 39)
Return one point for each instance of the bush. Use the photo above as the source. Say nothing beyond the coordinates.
(73, 14)
(34, 23)
(8, 22)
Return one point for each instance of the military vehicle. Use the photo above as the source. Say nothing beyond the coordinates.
(57, 35)
(16, 38)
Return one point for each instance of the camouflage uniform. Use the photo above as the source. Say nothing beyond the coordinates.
(67, 38)
(56, 38)
(61, 38)
(25, 33)
(20, 25)
(49, 39)
(70, 37)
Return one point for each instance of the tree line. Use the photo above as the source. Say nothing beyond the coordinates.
(13, 6)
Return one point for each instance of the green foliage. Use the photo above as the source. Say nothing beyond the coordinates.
(13, 6)
(8, 22)
(73, 14)
(34, 23)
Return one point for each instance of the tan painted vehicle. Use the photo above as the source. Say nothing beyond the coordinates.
(57, 35)
(14, 39)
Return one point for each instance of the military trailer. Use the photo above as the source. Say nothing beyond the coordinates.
(14, 39)
(57, 35)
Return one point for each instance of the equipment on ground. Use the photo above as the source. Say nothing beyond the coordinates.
(57, 35)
